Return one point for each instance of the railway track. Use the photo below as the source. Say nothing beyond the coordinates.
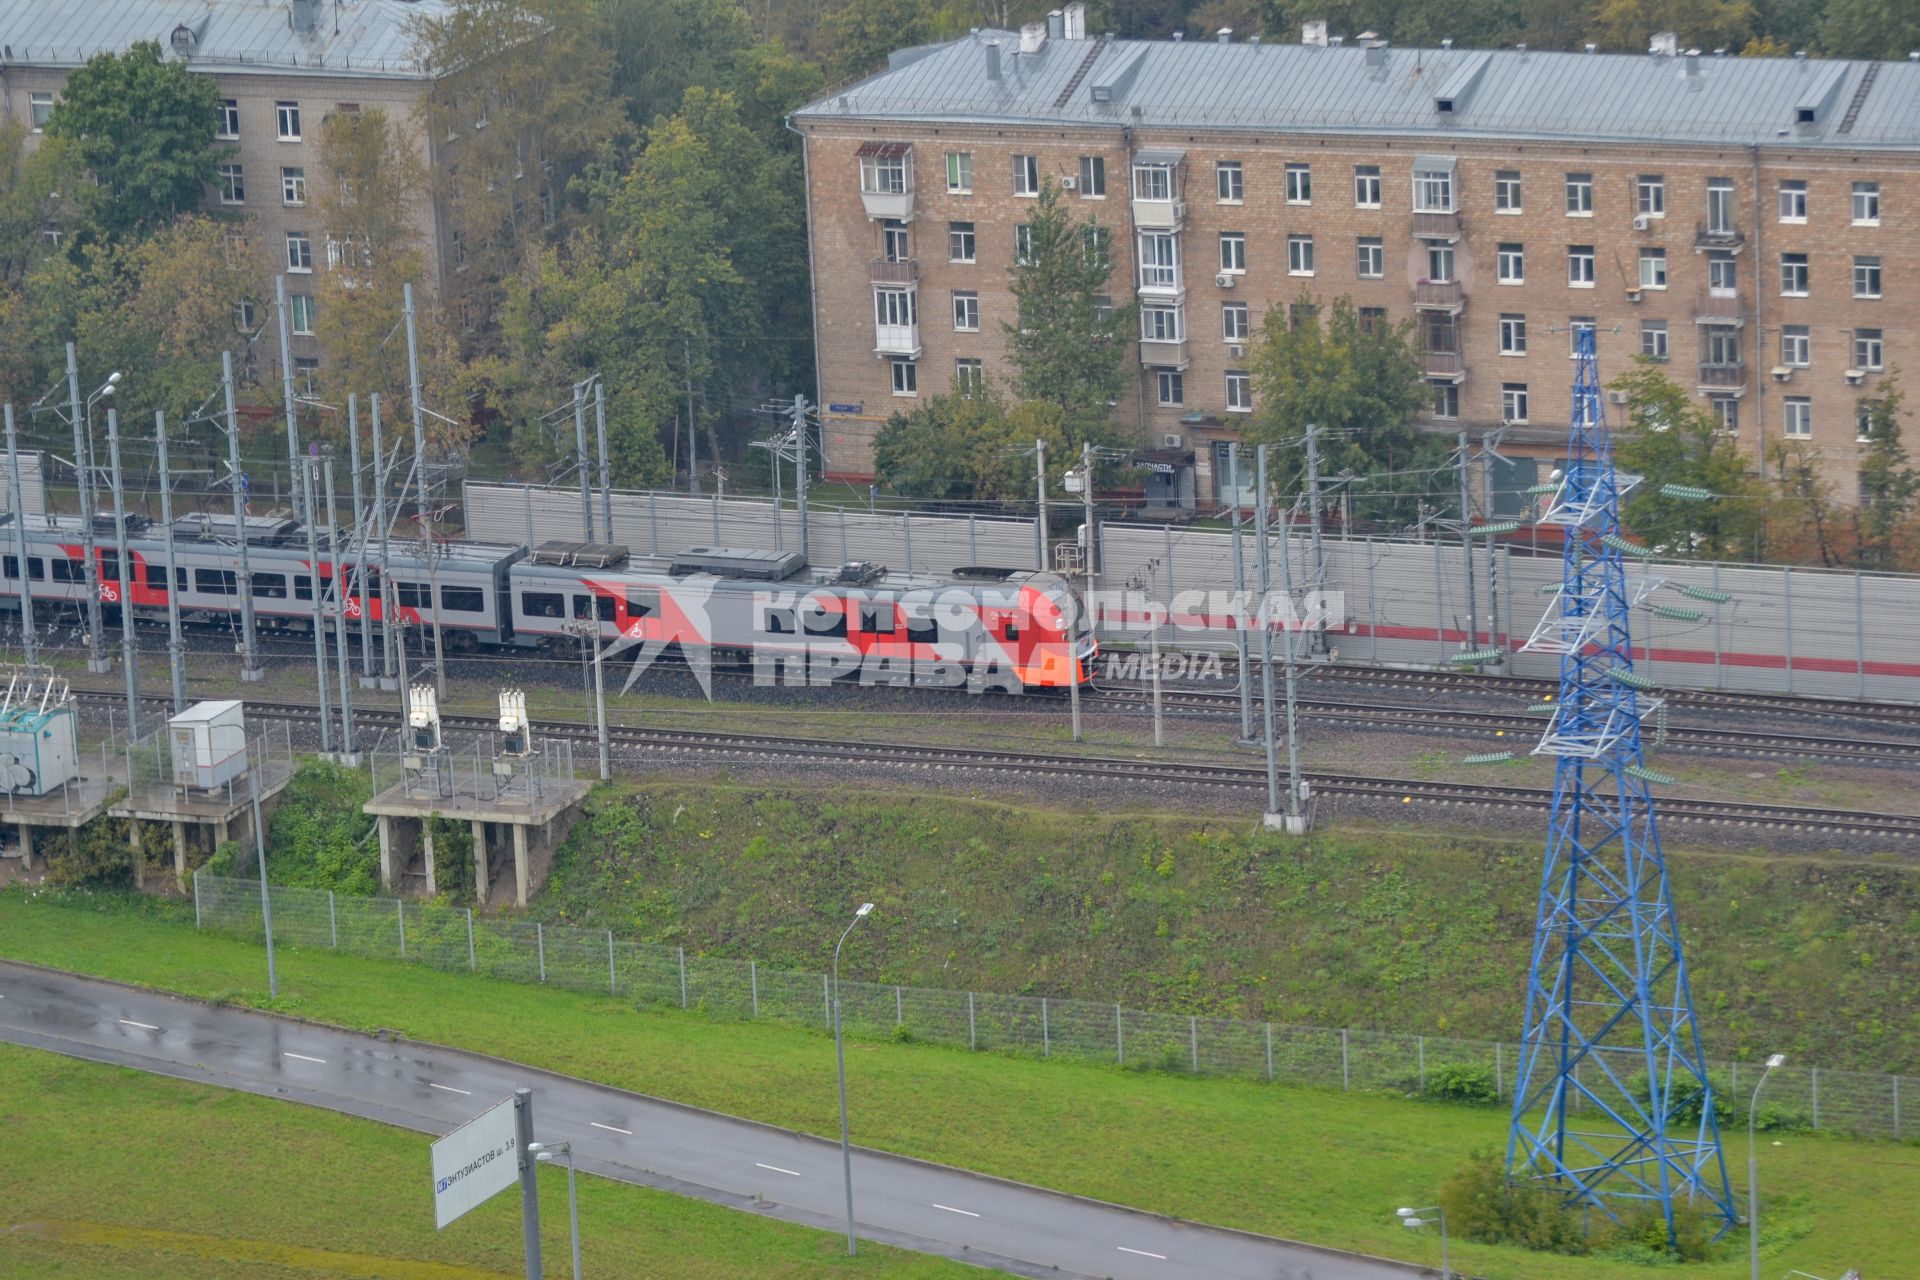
(1757, 819)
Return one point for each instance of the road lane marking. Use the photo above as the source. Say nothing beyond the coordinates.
(791, 1173)
(610, 1128)
(1142, 1252)
(144, 1026)
(465, 1093)
(950, 1209)
(303, 1057)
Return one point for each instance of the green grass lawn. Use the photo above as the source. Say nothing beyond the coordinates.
(1309, 1164)
(112, 1173)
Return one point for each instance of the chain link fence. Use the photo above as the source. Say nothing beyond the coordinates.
(651, 975)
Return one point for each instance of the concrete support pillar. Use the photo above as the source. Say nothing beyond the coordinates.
(385, 825)
(139, 863)
(180, 854)
(480, 881)
(26, 845)
(520, 871)
(426, 855)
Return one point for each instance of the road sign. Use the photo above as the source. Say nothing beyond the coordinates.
(474, 1162)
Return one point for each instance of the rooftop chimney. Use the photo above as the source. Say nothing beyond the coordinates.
(1693, 62)
(1056, 25)
(1179, 36)
(1074, 21)
(1593, 48)
(1224, 35)
(1665, 44)
(1314, 33)
(1376, 53)
(1032, 36)
(1336, 41)
(303, 14)
(1446, 42)
(992, 48)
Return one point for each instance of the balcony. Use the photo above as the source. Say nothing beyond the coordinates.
(1723, 377)
(1720, 308)
(1728, 239)
(893, 270)
(1159, 215)
(1445, 366)
(1161, 284)
(1439, 295)
(1163, 354)
(886, 180)
(1431, 225)
(897, 340)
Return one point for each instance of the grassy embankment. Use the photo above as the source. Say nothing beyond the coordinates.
(1311, 1164)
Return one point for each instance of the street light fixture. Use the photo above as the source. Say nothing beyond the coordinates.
(546, 1151)
(1753, 1171)
(1414, 1219)
(840, 1059)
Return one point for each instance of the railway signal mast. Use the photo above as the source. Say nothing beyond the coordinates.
(1612, 1106)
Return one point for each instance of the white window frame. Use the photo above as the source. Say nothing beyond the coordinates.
(1233, 253)
(1366, 182)
(1508, 191)
(1795, 273)
(1510, 264)
(959, 173)
(1579, 195)
(1796, 346)
(966, 311)
(1170, 389)
(1022, 243)
(1650, 195)
(1153, 182)
(1300, 258)
(1239, 391)
(1656, 341)
(299, 253)
(1796, 417)
(1653, 267)
(1236, 321)
(1370, 258)
(293, 186)
(1299, 180)
(1514, 405)
(1230, 182)
(233, 183)
(1433, 191)
(904, 376)
(1793, 201)
(896, 243)
(301, 314)
(1727, 265)
(1026, 176)
(36, 100)
(969, 375)
(1870, 352)
(1866, 204)
(1443, 265)
(1446, 398)
(1513, 335)
(229, 127)
(1727, 409)
(957, 239)
(286, 117)
(1159, 255)
(1720, 199)
(1576, 255)
(1162, 322)
(886, 175)
(1575, 326)
(1093, 177)
(306, 374)
(895, 307)
(1867, 275)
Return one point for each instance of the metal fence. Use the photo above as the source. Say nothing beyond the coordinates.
(595, 960)
(475, 769)
(266, 757)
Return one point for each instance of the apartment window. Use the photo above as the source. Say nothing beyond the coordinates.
(1093, 177)
(1653, 268)
(1793, 200)
(288, 116)
(966, 312)
(1153, 182)
(960, 246)
(1867, 352)
(1235, 321)
(233, 184)
(1433, 190)
(1653, 339)
(1239, 392)
(1650, 195)
(299, 251)
(1022, 244)
(1233, 252)
(1577, 325)
(1231, 181)
(1580, 266)
(894, 245)
(1866, 204)
(1159, 260)
(306, 375)
(1366, 186)
(969, 376)
(884, 174)
(229, 126)
(293, 185)
(1446, 399)
(1793, 275)
(1299, 184)
(1722, 346)
(906, 376)
(1720, 211)
(243, 318)
(1439, 263)
(1579, 195)
(1866, 277)
(1370, 258)
(1170, 387)
(41, 104)
(1160, 322)
(1513, 402)
(893, 308)
(1103, 308)
(1506, 191)
(1372, 319)
(1513, 335)
(1796, 346)
(1727, 409)
(1026, 175)
(1723, 274)
(960, 173)
(1511, 264)
(1799, 422)
(1299, 255)
(301, 310)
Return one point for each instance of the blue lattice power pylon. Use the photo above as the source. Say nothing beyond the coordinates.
(1612, 1105)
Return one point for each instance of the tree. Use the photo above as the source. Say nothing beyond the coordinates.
(1888, 486)
(143, 128)
(968, 446)
(1673, 442)
(1070, 345)
(1627, 25)
(1870, 29)
(1800, 515)
(861, 33)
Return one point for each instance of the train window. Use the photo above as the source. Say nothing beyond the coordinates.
(214, 582)
(463, 600)
(1013, 628)
(606, 608)
(369, 580)
(269, 586)
(302, 587)
(642, 602)
(156, 575)
(413, 595)
(923, 631)
(109, 566)
(876, 617)
(69, 571)
(36, 567)
(543, 604)
(822, 622)
(777, 622)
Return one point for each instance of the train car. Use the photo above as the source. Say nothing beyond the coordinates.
(980, 627)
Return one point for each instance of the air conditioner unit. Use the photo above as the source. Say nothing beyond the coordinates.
(1069, 184)
(1641, 222)
(1616, 397)
(1224, 280)
(1179, 211)
(1236, 350)
(1171, 440)
(1782, 373)
(1856, 376)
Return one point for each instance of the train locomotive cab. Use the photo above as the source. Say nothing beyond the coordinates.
(1063, 646)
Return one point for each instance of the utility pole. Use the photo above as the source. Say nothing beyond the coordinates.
(693, 455)
(420, 468)
(1466, 546)
(96, 657)
(348, 755)
(606, 471)
(387, 619)
(1040, 504)
(304, 487)
(361, 533)
(580, 456)
(529, 1180)
(286, 389)
(1296, 821)
(1499, 664)
(1240, 598)
(1272, 817)
(1093, 541)
(29, 640)
(1318, 581)
(250, 670)
(800, 468)
(176, 650)
(123, 590)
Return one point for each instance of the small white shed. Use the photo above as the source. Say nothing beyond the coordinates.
(209, 744)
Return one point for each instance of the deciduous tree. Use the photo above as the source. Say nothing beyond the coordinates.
(1888, 486)
(967, 446)
(1672, 441)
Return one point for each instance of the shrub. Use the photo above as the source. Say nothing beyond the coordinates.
(1482, 1204)
(1459, 1082)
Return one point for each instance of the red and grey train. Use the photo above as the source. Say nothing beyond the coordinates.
(1020, 627)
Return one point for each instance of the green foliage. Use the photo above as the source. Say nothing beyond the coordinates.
(1482, 1204)
(966, 446)
(861, 33)
(1672, 440)
(318, 837)
(96, 856)
(453, 858)
(1870, 29)
(1067, 347)
(1729, 1109)
(1888, 485)
(1460, 1082)
(142, 127)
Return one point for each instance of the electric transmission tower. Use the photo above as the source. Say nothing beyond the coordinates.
(1611, 1104)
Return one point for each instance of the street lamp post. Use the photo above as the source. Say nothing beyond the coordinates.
(544, 1151)
(1753, 1171)
(1413, 1220)
(840, 1059)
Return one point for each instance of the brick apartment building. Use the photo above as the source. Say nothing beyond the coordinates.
(282, 68)
(1755, 223)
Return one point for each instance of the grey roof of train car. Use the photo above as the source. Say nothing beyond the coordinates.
(814, 576)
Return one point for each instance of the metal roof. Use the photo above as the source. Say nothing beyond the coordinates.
(347, 37)
(1499, 93)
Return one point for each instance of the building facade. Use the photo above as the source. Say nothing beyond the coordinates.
(282, 69)
(1750, 223)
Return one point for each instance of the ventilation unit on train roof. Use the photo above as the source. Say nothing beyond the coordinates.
(208, 526)
(581, 555)
(729, 562)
